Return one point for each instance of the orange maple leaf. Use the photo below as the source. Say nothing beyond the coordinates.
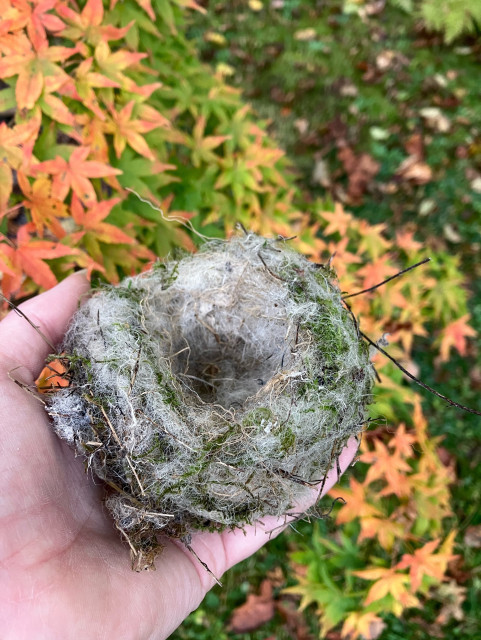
(52, 377)
(376, 272)
(44, 207)
(402, 442)
(338, 221)
(386, 530)
(454, 335)
(389, 581)
(424, 562)
(12, 150)
(356, 504)
(389, 467)
(32, 65)
(11, 273)
(127, 130)
(91, 221)
(88, 24)
(75, 174)
(37, 19)
(30, 255)
(405, 241)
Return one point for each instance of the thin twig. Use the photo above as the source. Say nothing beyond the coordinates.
(358, 293)
(21, 313)
(274, 275)
(205, 565)
(117, 440)
(414, 379)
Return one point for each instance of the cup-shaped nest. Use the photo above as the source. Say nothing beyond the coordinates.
(213, 389)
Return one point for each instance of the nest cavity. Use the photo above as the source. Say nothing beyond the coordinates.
(213, 389)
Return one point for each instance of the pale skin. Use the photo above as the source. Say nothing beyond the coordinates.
(65, 573)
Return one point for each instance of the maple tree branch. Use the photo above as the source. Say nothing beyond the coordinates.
(400, 273)
(421, 384)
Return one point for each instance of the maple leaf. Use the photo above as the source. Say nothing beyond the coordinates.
(91, 221)
(356, 504)
(389, 467)
(256, 611)
(52, 377)
(38, 20)
(402, 442)
(389, 582)
(88, 24)
(386, 530)
(405, 241)
(12, 274)
(127, 130)
(75, 174)
(372, 240)
(452, 596)
(30, 255)
(44, 207)
(93, 136)
(454, 335)
(201, 145)
(376, 272)
(112, 65)
(85, 82)
(424, 562)
(32, 66)
(13, 143)
(12, 18)
(339, 221)
(365, 624)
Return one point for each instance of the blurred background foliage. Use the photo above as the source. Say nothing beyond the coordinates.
(131, 128)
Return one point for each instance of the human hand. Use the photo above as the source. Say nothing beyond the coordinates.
(64, 570)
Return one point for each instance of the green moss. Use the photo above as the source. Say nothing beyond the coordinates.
(288, 440)
(255, 417)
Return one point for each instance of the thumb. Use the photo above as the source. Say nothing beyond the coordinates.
(50, 312)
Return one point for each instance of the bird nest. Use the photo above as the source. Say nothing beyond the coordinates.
(214, 389)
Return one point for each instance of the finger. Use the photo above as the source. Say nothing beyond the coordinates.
(21, 344)
(241, 543)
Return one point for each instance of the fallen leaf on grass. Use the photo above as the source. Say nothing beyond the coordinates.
(472, 537)
(360, 170)
(305, 34)
(415, 170)
(453, 597)
(294, 620)
(435, 119)
(256, 611)
(414, 146)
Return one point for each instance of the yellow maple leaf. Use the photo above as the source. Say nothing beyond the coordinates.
(365, 624)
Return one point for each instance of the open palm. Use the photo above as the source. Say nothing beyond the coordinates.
(64, 570)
